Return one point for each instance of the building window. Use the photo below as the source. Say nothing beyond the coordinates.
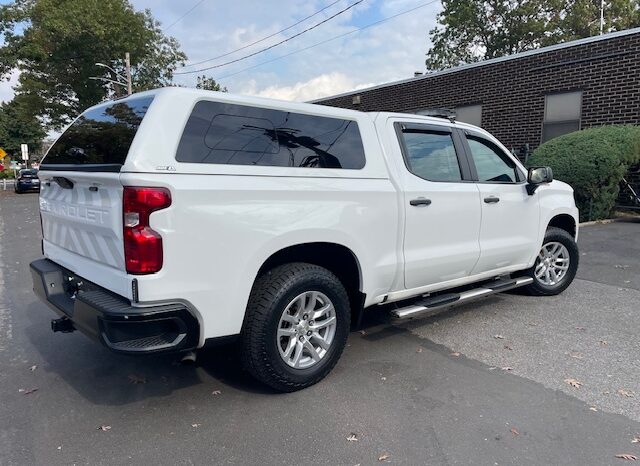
(561, 114)
(471, 114)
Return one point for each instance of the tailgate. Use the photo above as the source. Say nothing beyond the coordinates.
(81, 193)
(82, 214)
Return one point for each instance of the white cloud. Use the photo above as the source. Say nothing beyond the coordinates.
(320, 86)
(6, 87)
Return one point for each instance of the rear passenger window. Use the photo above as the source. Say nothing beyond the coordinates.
(432, 156)
(221, 133)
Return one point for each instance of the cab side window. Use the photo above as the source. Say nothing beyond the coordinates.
(492, 165)
(431, 155)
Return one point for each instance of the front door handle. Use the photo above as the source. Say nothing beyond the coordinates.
(491, 199)
(420, 201)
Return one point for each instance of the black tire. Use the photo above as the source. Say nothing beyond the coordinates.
(538, 288)
(271, 294)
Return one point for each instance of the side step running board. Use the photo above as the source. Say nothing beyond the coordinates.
(434, 304)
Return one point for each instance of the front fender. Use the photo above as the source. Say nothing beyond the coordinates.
(555, 198)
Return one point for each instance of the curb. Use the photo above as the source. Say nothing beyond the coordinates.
(606, 221)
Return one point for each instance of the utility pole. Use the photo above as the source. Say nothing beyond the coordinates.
(601, 17)
(127, 61)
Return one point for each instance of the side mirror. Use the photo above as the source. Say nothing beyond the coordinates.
(537, 176)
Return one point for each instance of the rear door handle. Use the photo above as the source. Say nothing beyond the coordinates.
(491, 199)
(420, 201)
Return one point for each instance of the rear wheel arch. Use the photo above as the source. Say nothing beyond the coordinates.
(337, 258)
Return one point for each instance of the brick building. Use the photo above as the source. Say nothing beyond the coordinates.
(526, 98)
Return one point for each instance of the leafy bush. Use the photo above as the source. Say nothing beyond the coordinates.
(7, 173)
(593, 162)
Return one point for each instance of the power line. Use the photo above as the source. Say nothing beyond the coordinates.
(376, 23)
(271, 46)
(264, 38)
(183, 16)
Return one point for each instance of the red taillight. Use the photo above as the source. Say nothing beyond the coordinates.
(142, 245)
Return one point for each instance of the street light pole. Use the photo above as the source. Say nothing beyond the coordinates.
(601, 17)
(127, 61)
(126, 80)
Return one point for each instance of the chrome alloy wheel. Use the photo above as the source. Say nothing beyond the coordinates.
(306, 330)
(552, 264)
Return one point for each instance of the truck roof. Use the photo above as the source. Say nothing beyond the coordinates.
(285, 104)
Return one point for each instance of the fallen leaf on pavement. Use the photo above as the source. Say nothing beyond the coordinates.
(383, 378)
(454, 354)
(617, 266)
(498, 337)
(576, 354)
(195, 426)
(507, 347)
(593, 408)
(419, 350)
(362, 332)
(27, 391)
(627, 456)
(627, 393)
(104, 428)
(383, 457)
(514, 431)
(580, 329)
(33, 368)
(573, 382)
(636, 439)
(136, 379)
(216, 392)
(507, 368)
(604, 342)
(352, 437)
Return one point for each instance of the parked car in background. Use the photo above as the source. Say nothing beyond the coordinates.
(177, 217)
(27, 180)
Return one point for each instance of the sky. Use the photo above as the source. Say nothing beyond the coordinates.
(392, 50)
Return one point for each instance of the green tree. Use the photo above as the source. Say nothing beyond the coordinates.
(473, 30)
(56, 43)
(209, 84)
(19, 126)
(578, 19)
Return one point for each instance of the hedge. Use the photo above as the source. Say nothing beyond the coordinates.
(593, 161)
(7, 173)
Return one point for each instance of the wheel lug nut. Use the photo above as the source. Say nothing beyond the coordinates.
(311, 322)
(305, 317)
(301, 338)
(309, 333)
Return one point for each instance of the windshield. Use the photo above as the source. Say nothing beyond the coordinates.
(99, 139)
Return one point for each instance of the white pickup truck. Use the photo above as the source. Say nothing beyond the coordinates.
(177, 217)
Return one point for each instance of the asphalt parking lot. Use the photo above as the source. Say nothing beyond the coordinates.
(483, 384)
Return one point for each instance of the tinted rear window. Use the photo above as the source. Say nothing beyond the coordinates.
(100, 138)
(220, 133)
(28, 174)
